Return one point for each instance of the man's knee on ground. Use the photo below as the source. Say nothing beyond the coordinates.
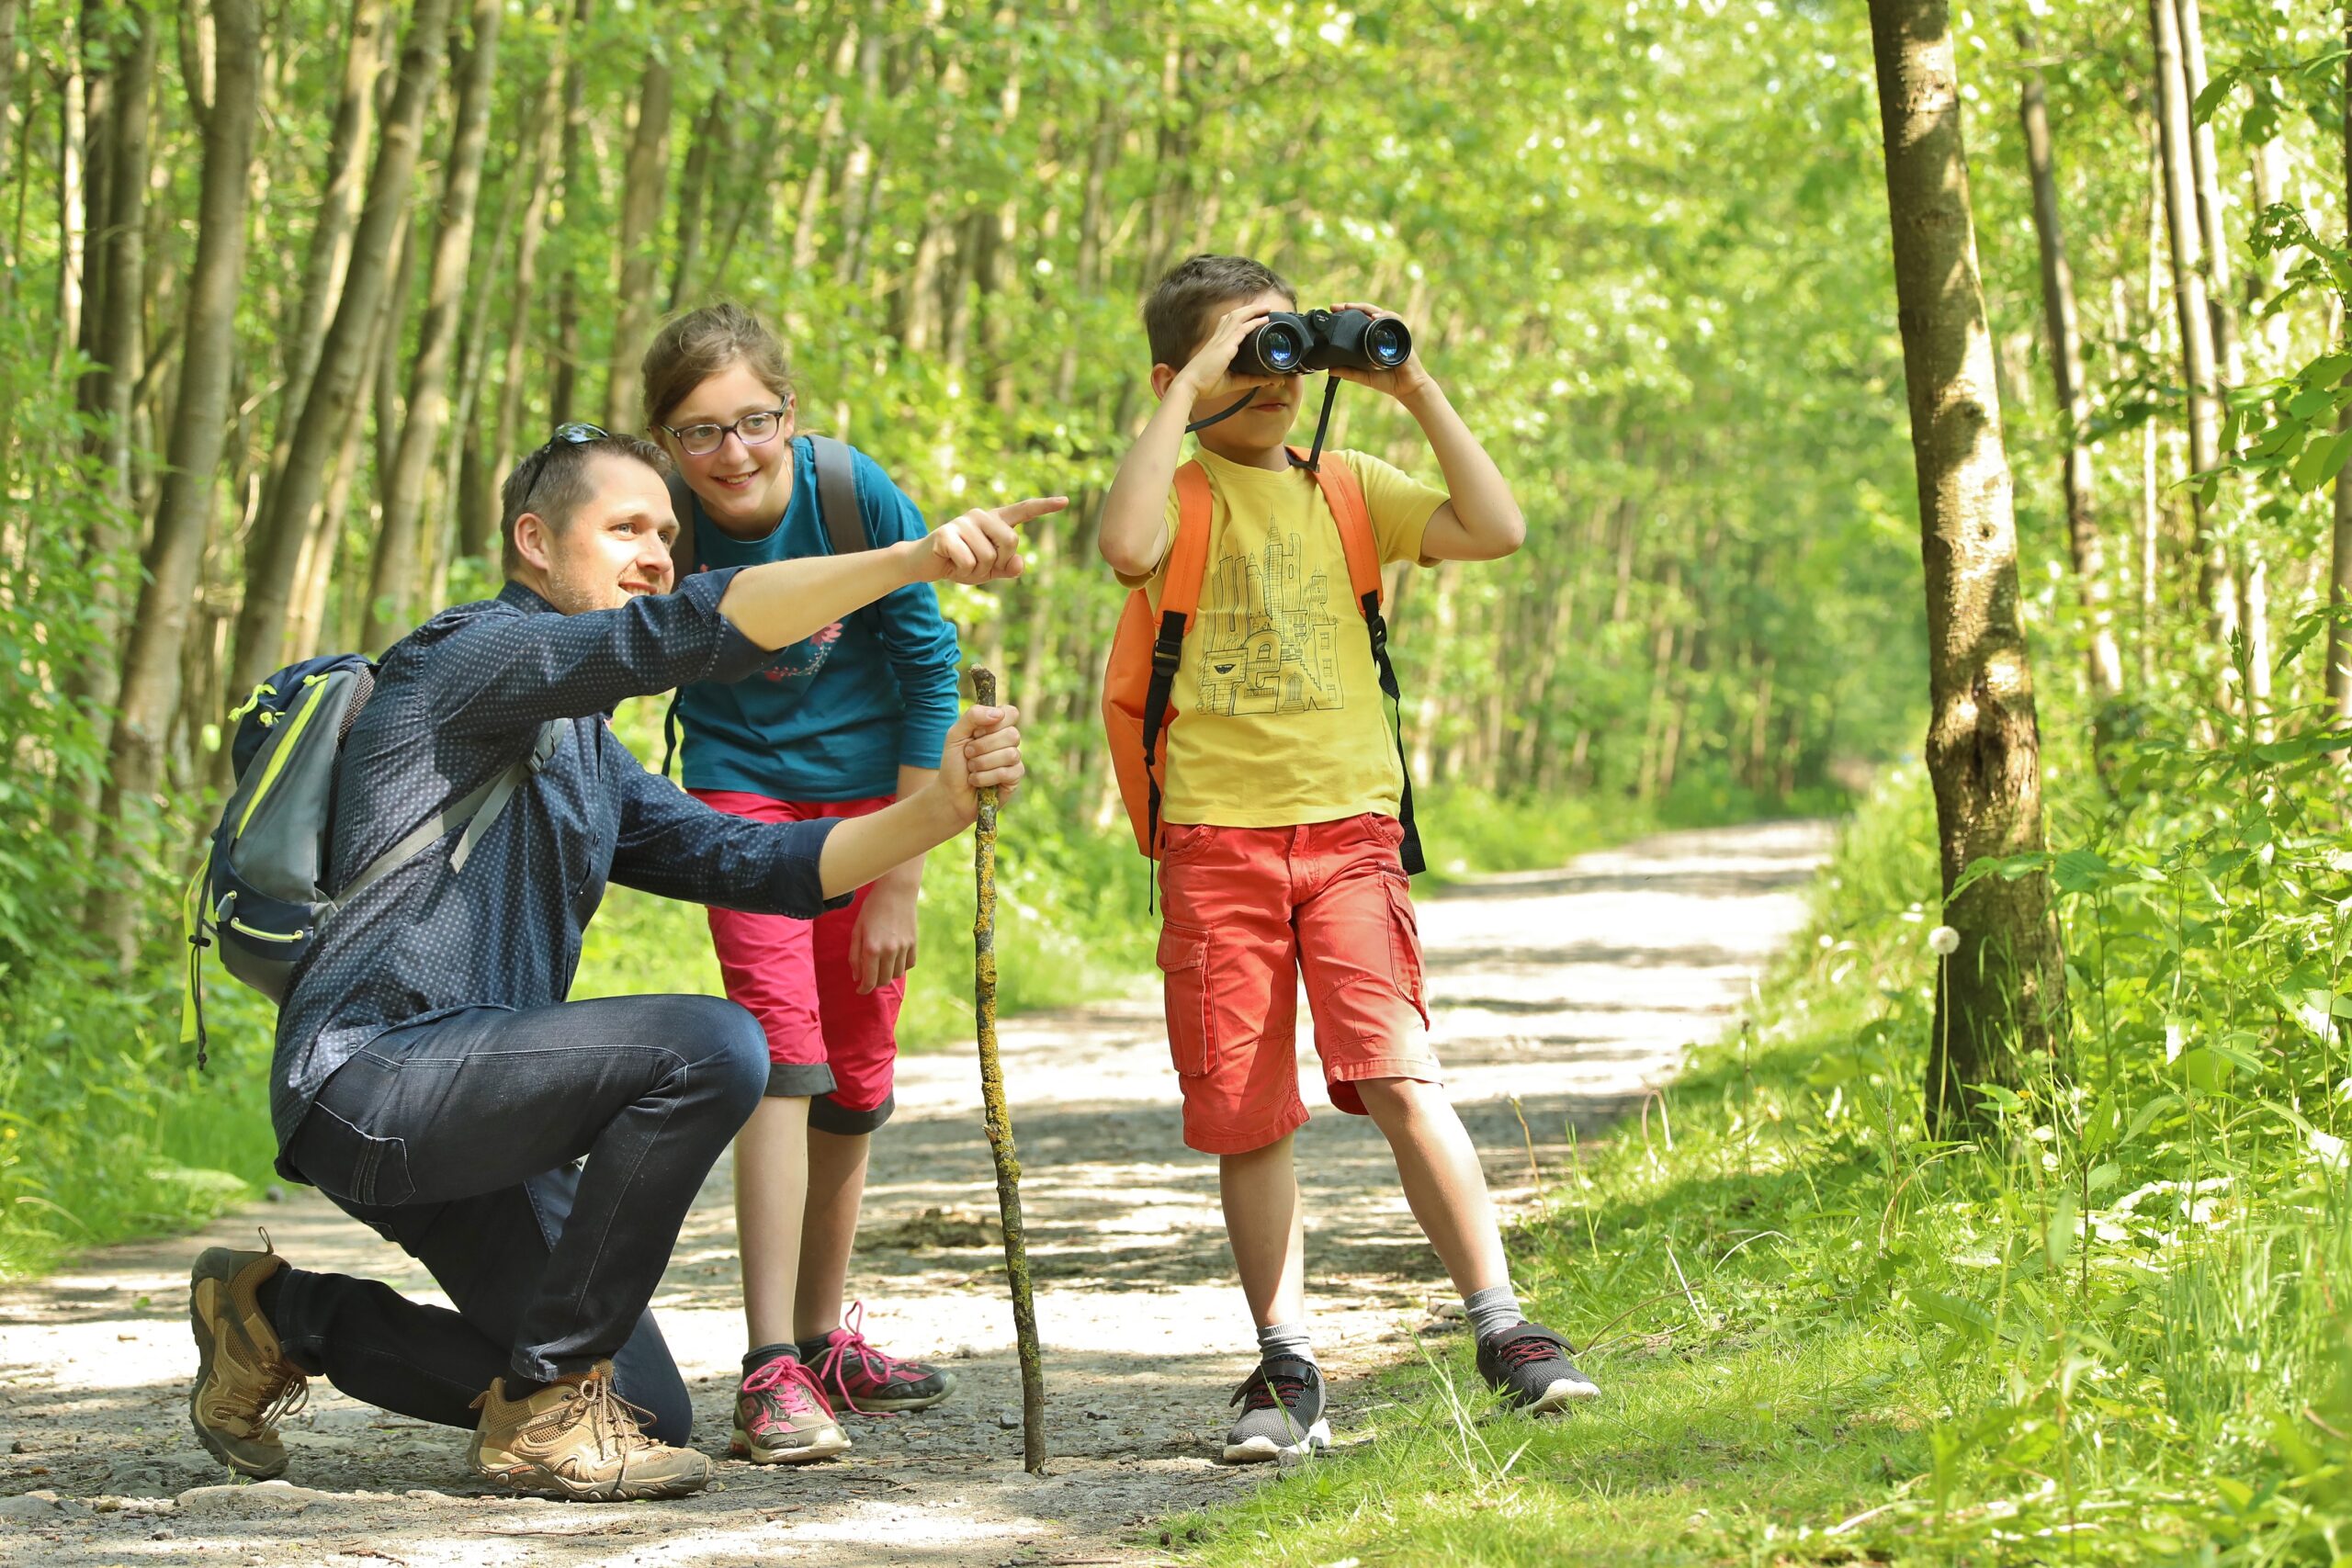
(725, 1040)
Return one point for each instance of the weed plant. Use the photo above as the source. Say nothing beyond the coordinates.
(2112, 1328)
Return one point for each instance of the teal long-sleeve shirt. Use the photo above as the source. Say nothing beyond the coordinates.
(835, 717)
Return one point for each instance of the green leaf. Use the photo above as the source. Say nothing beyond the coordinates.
(2080, 870)
(2321, 461)
(1958, 1313)
(2207, 1068)
(2060, 1237)
(2217, 87)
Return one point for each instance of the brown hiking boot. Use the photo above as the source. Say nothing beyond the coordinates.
(244, 1384)
(578, 1439)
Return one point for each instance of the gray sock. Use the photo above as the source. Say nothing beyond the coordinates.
(1491, 1310)
(1286, 1339)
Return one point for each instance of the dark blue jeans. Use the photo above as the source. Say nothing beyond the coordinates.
(459, 1139)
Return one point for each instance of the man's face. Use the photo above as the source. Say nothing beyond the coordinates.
(615, 546)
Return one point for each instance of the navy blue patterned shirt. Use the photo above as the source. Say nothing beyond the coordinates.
(457, 702)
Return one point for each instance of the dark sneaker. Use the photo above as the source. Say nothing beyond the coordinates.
(781, 1417)
(577, 1438)
(245, 1385)
(1529, 1364)
(852, 1372)
(1281, 1412)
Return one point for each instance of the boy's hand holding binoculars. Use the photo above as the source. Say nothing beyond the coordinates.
(1402, 380)
(983, 545)
(1211, 377)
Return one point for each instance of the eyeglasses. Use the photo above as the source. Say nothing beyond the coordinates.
(756, 429)
(576, 433)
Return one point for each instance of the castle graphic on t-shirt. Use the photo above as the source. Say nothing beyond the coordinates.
(1268, 643)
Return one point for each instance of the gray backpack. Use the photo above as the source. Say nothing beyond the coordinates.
(260, 890)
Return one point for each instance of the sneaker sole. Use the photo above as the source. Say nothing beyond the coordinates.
(1265, 1450)
(902, 1406)
(1563, 1392)
(830, 1444)
(222, 1272)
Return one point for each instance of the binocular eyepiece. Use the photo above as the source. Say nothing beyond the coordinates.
(1289, 344)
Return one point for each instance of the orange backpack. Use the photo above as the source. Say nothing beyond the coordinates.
(1137, 685)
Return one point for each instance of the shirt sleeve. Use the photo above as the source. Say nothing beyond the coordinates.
(1400, 504)
(917, 640)
(674, 845)
(502, 672)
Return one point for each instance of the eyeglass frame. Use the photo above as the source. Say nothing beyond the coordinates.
(572, 433)
(779, 414)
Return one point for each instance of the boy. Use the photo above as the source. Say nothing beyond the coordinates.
(1280, 838)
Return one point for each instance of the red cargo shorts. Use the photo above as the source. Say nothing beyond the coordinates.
(825, 1041)
(1247, 911)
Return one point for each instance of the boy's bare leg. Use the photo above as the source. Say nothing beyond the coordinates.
(836, 1169)
(771, 1197)
(1266, 1225)
(1442, 1179)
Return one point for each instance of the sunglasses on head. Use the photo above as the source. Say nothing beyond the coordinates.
(575, 433)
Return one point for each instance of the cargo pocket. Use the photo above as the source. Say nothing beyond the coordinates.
(1184, 960)
(1405, 943)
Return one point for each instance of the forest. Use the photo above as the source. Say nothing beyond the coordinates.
(2015, 532)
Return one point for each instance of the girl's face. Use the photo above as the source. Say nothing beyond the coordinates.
(741, 485)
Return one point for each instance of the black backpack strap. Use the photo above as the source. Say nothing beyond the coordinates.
(1167, 653)
(1377, 624)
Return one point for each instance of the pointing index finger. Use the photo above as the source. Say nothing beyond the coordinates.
(1021, 511)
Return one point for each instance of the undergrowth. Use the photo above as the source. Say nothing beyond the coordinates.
(2112, 1328)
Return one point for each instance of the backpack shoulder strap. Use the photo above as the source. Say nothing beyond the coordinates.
(681, 550)
(837, 505)
(1343, 493)
(1188, 557)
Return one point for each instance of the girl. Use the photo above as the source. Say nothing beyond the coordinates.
(837, 726)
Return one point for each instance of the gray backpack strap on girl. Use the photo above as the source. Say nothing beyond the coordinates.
(837, 510)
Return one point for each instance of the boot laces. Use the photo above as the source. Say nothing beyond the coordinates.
(1263, 1390)
(616, 1426)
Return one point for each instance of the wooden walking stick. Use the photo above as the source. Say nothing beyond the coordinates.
(1000, 1122)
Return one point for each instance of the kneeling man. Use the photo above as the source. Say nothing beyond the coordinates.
(429, 1076)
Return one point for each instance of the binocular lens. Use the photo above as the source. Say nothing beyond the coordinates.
(1387, 342)
(1281, 346)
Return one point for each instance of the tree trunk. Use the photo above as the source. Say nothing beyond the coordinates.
(329, 251)
(74, 129)
(8, 13)
(2219, 297)
(276, 546)
(642, 190)
(707, 152)
(2000, 999)
(2083, 544)
(392, 585)
(540, 155)
(2339, 570)
(200, 416)
(563, 392)
(2187, 281)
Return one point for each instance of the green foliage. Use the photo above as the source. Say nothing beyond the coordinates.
(2112, 1331)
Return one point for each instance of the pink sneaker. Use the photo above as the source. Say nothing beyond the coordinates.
(783, 1417)
(866, 1380)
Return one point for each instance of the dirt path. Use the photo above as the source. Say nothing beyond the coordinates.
(1571, 989)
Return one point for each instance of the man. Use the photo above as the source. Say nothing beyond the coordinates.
(430, 1078)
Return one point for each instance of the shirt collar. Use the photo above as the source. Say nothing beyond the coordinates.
(523, 599)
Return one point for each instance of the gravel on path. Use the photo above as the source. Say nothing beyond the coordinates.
(1571, 992)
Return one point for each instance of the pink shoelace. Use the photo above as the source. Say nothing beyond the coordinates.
(849, 1346)
(795, 1387)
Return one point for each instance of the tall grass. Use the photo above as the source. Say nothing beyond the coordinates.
(2113, 1329)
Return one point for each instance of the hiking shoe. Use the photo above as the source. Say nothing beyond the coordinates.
(781, 1417)
(1281, 1412)
(577, 1438)
(245, 1385)
(1529, 1364)
(852, 1372)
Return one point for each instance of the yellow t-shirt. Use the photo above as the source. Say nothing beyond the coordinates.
(1280, 717)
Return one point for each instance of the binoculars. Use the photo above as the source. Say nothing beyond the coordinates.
(1289, 344)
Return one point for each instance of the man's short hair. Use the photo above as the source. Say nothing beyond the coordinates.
(1185, 304)
(552, 482)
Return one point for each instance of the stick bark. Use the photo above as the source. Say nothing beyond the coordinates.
(1000, 1121)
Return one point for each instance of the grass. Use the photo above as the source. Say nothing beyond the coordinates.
(2112, 1329)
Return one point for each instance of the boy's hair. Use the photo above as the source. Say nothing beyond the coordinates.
(1185, 304)
(701, 344)
(552, 483)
